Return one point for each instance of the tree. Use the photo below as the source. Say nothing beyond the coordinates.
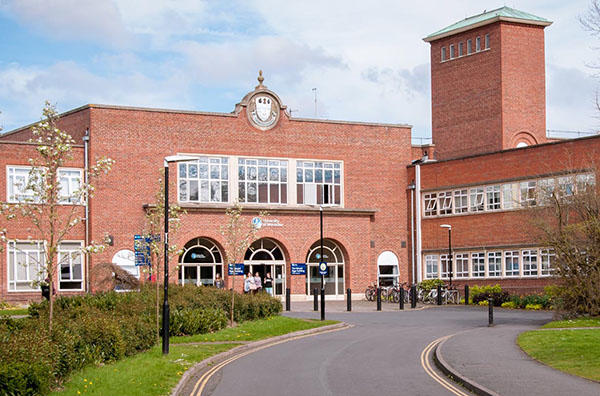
(570, 223)
(238, 233)
(41, 201)
(151, 238)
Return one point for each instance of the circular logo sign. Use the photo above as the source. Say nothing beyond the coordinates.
(263, 111)
(323, 266)
(257, 222)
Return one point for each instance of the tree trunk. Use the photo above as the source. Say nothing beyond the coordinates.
(51, 300)
(232, 295)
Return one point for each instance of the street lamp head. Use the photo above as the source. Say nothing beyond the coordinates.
(178, 158)
(448, 226)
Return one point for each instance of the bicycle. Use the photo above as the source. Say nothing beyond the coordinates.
(371, 292)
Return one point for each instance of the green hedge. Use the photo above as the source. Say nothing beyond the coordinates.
(105, 327)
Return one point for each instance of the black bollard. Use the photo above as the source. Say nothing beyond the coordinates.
(316, 295)
(490, 312)
(349, 300)
(466, 294)
(287, 299)
(379, 298)
(322, 303)
(439, 295)
(401, 298)
(413, 296)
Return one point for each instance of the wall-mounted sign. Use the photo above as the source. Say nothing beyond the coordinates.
(257, 222)
(298, 268)
(239, 269)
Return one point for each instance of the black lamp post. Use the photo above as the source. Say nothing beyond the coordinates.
(449, 227)
(165, 309)
(320, 261)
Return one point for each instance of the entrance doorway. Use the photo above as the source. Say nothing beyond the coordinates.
(334, 280)
(264, 255)
(200, 263)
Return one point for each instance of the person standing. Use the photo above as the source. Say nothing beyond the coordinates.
(257, 282)
(249, 286)
(269, 284)
(219, 284)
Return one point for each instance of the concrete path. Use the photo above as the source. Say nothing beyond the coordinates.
(491, 358)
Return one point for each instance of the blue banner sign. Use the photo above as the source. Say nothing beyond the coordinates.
(239, 269)
(141, 248)
(323, 268)
(298, 268)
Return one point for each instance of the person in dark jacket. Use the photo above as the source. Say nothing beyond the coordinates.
(269, 284)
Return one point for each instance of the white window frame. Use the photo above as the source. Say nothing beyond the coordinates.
(547, 256)
(281, 166)
(310, 188)
(530, 262)
(443, 55)
(430, 204)
(451, 51)
(487, 41)
(460, 265)
(432, 266)
(477, 44)
(476, 199)
(494, 259)
(478, 265)
(444, 266)
(492, 198)
(12, 196)
(461, 201)
(528, 193)
(445, 203)
(67, 199)
(461, 49)
(469, 46)
(210, 161)
(69, 257)
(31, 278)
(510, 258)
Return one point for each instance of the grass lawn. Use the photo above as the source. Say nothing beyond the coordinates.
(573, 351)
(579, 322)
(150, 373)
(18, 311)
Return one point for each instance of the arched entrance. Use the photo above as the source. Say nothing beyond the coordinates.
(265, 255)
(200, 262)
(387, 269)
(333, 256)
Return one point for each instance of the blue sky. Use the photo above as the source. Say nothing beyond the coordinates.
(366, 59)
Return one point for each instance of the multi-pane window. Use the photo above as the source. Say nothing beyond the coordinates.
(462, 265)
(477, 44)
(584, 182)
(530, 264)
(566, 185)
(445, 263)
(70, 260)
(528, 193)
(431, 266)
(204, 180)
(445, 202)
(319, 182)
(25, 265)
(18, 181)
(477, 199)
(70, 185)
(451, 51)
(262, 181)
(443, 54)
(430, 204)
(494, 264)
(487, 41)
(469, 46)
(461, 201)
(511, 263)
(545, 191)
(492, 197)
(509, 196)
(461, 48)
(478, 264)
(547, 258)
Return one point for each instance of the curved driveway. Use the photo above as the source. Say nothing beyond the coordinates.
(380, 355)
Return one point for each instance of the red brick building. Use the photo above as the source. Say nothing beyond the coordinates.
(383, 210)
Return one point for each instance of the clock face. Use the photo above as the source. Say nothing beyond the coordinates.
(263, 111)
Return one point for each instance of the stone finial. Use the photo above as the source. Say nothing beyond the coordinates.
(260, 80)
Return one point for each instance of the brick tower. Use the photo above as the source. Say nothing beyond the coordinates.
(488, 83)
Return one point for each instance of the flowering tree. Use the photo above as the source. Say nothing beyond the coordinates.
(151, 238)
(238, 234)
(43, 201)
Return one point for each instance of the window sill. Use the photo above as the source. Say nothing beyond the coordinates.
(278, 209)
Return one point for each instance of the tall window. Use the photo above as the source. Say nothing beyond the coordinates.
(451, 51)
(25, 265)
(461, 48)
(18, 180)
(494, 264)
(200, 263)
(445, 263)
(547, 256)
(443, 54)
(511, 262)
(477, 44)
(487, 41)
(445, 202)
(469, 46)
(462, 265)
(387, 268)
(461, 201)
(492, 197)
(478, 264)
(510, 195)
(477, 199)
(204, 180)
(262, 181)
(431, 266)
(530, 264)
(545, 190)
(528, 193)
(430, 204)
(70, 259)
(319, 182)
(70, 184)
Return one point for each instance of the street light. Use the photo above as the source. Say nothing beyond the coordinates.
(449, 227)
(165, 310)
(321, 258)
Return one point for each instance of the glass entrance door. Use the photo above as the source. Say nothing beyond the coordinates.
(333, 281)
(277, 273)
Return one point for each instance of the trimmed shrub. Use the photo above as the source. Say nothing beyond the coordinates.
(534, 306)
(484, 303)
(429, 284)
(509, 304)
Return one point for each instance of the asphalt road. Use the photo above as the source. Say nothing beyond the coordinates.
(379, 355)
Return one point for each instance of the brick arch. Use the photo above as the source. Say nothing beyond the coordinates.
(281, 241)
(337, 238)
(211, 239)
(523, 137)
